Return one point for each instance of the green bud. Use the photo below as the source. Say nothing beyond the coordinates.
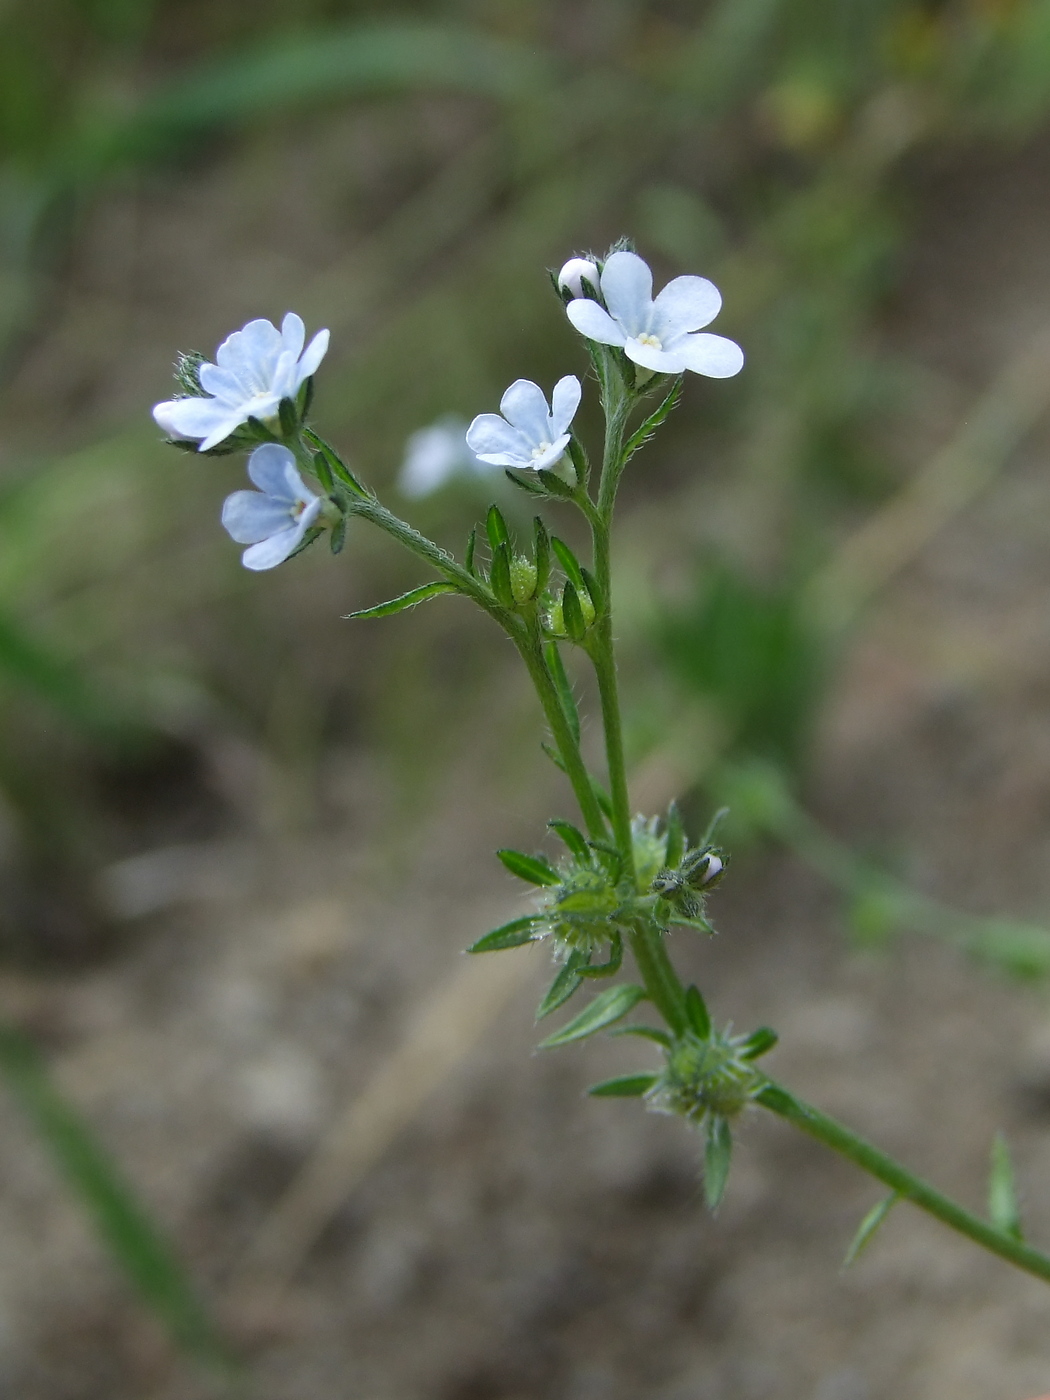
(705, 1077)
(523, 577)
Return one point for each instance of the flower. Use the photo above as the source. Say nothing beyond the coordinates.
(529, 434)
(435, 455)
(256, 368)
(273, 520)
(659, 335)
(575, 272)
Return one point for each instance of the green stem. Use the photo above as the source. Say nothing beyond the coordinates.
(909, 1187)
(568, 748)
(661, 981)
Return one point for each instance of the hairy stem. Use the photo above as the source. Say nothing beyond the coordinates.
(908, 1186)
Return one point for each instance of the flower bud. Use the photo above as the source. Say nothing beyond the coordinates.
(575, 273)
(522, 579)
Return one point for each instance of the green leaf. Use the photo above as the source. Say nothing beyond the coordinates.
(610, 968)
(627, 1086)
(556, 666)
(647, 1033)
(681, 921)
(541, 546)
(407, 600)
(524, 484)
(1003, 1210)
(717, 1156)
(337, 538)
(472, 540)
(867, 1228)
(573, 838)
(606, 1008)
(568, 561)
(642, 435)
(712, 826)
(592, 586)
(287, 417)
(496, 529)
(578, 457)
(758, 1043)
(511, 935)
(572, 612)
(696, 1010)
(499, 575)
(324, 473)
(532, 868)
(675, 836)
(338, 467)
(134, 1241)
(564, 985)
(554, 485)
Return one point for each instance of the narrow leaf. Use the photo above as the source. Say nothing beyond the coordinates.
(339, 469)
(541, 554)
(1003, 1210)
(647, 1033)
(572, 612)
(627, 1086)
(532, 868)
(524, 484)
(133, 1240)
(712, 826)
(556, 666)
(867, 1228)
(337, 538)
(682, 921)
(554, 756)
(564, 985)
(590, 583)
(578, 457)
(511, 935)
(675, 836)
(287, 417)
(642, 435)
(696, 1010)
(407, 600)
(472, 541)
(573, 838)
(554, 486)
(324, 473)
(496, 528)
(717, 1157)
(758, 1043)
(610, 968)
(568, 561)
(604, 1010)
(499, 575)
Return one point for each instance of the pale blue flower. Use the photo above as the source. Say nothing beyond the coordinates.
(274, 519)
(255, 369)
(529, 434)
(575, 273)
(659, 335)
(436, 455)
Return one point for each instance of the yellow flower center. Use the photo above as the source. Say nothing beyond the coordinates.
(653, 341)
(541, 451)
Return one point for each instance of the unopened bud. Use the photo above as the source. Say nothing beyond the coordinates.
(522, 579)
(575, 273)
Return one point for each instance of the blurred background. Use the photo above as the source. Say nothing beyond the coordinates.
(242, 841)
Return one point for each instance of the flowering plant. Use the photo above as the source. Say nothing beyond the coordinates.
(623, 881)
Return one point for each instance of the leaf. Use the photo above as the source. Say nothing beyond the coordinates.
(554, 486)
(512, 935)
(532, 868)
(556, 666)
(472, 540)
(1003, 1210)
(590, 583)
(575, 624)
(758, 1043)
(541, 554)
(407, 600)
(573, 838)
(338, 467)
(647, 1033)
(606, 1008)
(524, 484)
(568, 561)
(867, 1228)
(717, 1156)
(642, 434)
(499, 574)
(288, 418)
(712, 825)
(696, 1010)
(578, 457)
(132, 1238)
(682, 921)
(324, 473)
(675, 836)
(564, 985)
(627, 1086)
(496, 528)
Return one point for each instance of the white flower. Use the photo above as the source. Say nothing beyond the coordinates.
(529, 434)
(256, 368)
(274, 519)
(575, 272)
(435, 455)
(658, 335)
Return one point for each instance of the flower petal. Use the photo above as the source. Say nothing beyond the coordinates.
(312, 357)
(284, 381)
(685, 304)
(554, 454)
(196, 418)
(268, 553)
(251, 349)
(564, 402)
(223, 383)
(250, 516)
(524, 406)
(594, 322)
(627, 286)
(493, 440)
(272, 468)
(660, 361)
(712, 355)
(293, 335)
